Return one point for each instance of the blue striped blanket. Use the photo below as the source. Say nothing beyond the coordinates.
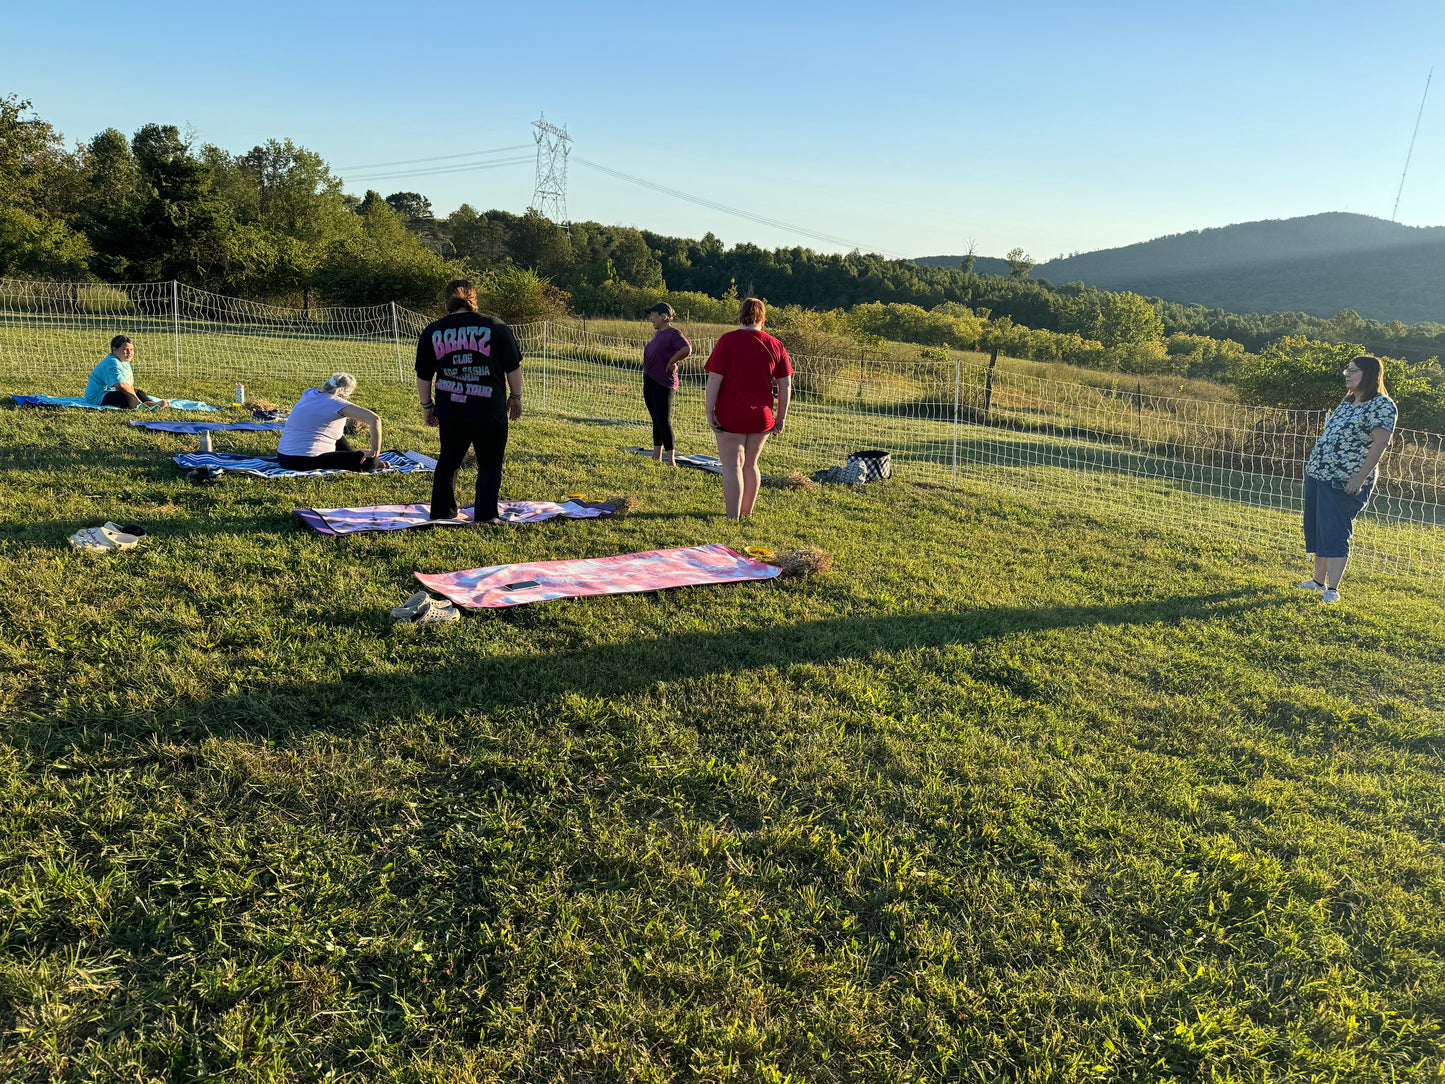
(209, 427)
(267, 466)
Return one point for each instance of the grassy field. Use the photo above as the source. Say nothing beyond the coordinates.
(1014, 792)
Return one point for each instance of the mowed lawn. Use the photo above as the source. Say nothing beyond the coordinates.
(1010, 793)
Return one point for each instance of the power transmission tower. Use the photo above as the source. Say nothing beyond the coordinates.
(550, 195)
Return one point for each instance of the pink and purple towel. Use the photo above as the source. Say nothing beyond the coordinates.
(514, 585)
(400, 517)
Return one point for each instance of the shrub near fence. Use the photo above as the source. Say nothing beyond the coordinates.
(1196, 464)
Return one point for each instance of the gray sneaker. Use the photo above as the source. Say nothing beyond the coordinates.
(1329, 594)
(1311, 585)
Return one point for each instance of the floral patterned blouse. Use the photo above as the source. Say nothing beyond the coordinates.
(1341, 448)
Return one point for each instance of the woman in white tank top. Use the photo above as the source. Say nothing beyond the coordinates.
(313, 438)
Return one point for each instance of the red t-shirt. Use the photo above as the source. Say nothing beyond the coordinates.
(748, 362)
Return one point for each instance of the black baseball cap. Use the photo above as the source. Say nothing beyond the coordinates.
(662, 308)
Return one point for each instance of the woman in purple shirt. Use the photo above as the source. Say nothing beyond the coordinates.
(660, 359)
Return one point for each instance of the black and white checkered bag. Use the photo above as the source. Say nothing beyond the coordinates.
(877, 464)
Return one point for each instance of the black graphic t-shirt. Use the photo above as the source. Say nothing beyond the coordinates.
(470, 356)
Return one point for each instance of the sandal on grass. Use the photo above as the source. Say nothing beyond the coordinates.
(107, 539)
(407, 610)
(432, 611)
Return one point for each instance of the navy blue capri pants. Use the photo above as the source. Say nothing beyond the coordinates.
(1330, 517)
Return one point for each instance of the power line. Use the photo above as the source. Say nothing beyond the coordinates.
(1412, 146)
(397, 175)
(737, 211)
(436, 158)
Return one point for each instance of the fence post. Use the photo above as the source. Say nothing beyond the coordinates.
(176, 320)
(957, 380)
(396, 342)
(545, 324)
(988, 387)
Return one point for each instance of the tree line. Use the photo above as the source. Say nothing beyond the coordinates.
(274, 223)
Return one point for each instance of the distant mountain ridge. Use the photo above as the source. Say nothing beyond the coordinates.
(1317, 264)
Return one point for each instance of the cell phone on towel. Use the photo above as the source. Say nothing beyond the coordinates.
(521, 585)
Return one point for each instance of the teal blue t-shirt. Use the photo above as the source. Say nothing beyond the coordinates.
(105, 376)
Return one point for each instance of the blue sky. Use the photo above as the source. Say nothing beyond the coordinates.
(911, 129)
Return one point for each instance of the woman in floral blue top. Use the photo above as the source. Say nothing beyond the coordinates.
(1340, 472)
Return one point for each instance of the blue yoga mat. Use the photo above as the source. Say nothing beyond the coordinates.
(78, 401)
(267, 466)
(209, 427)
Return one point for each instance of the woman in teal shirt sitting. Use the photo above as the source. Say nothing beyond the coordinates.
(112, 382)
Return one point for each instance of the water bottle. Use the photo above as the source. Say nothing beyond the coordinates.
(240, 394)
(205, 441)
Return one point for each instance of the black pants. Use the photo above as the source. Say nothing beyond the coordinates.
(124, 399)
(490, 441)
(659, 405)
(341, 459)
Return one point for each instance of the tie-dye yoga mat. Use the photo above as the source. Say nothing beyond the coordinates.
(513, 585)
(400, 517)
(268, 466)
(79, 401)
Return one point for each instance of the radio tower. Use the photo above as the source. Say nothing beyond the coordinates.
(553, 146)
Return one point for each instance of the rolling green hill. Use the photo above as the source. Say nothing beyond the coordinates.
(1317, 264)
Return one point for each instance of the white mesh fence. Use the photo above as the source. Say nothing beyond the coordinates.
(53, 333)
(1200, 465)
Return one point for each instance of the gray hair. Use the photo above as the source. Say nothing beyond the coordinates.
(342, 384)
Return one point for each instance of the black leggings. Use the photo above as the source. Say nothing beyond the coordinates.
(124, 399)
(490, 441)
(341, 459)
(659, 405)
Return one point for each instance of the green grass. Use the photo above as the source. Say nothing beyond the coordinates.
(1014, 792)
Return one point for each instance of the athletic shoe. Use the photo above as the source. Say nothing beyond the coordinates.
(1311, 585)
(1329, 595)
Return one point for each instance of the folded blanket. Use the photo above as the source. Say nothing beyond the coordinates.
(77, 401)
(710, 463)
(399, 517)
(209, 427)
(512, 585)
(267, 466)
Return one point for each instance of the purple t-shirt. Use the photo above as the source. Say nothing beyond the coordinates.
(657, 353)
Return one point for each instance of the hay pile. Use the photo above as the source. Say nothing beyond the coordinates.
(263, 405)
(624, 503)
(792, 480)
(808, 561)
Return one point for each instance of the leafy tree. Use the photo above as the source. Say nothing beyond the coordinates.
(109, 209)
(183, 230)
(37, 175)
(520, 296)
(1019, 263)
(479, 240)
(410, 205)
(385, 262)
(539, 243)
(33, 248)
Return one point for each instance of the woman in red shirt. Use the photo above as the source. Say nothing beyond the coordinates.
(741, 372)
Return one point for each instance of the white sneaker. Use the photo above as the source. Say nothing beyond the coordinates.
(1311, 585)
(1329, 595)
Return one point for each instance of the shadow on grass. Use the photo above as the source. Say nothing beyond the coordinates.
(477, 683)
